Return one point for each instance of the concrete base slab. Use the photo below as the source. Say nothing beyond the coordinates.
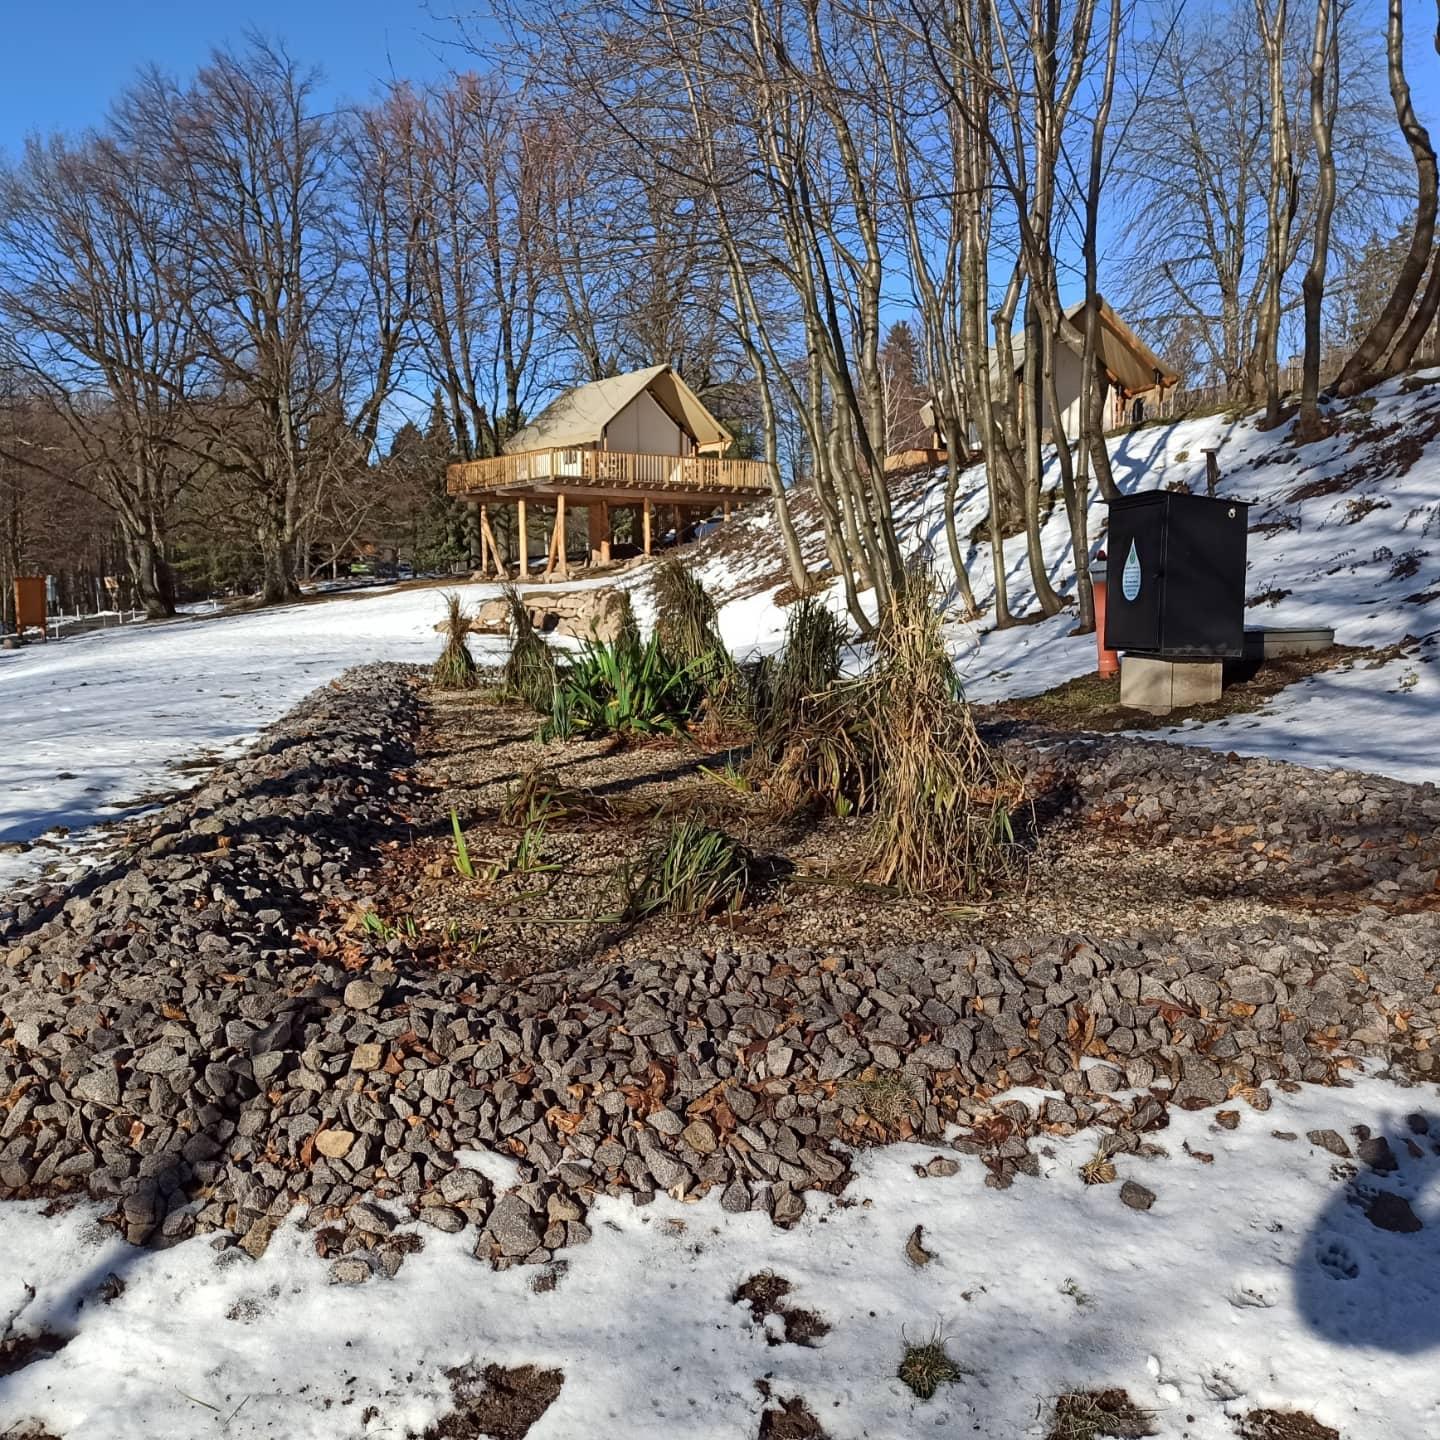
(1160, 686)
(1269, 642)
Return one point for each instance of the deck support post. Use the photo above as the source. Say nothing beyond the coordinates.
(677, 519)
(599, 522)
(555, 560)
(726, 510)
(474, 535)
(523, 539)
(647, 512)
(487, 539)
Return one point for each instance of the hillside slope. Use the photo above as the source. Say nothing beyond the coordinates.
(1344, 532)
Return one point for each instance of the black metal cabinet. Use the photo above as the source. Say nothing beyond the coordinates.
(1176, 575)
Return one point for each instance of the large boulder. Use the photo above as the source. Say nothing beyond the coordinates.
(582, 613)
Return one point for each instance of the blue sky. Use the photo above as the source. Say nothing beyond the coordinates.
(66, 59)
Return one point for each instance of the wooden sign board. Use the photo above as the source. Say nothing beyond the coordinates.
(30, 603)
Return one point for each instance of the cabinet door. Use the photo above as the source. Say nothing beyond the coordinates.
(1135, 564)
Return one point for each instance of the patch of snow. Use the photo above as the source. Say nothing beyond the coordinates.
(502, 1171)
(1255, 1280)
(1359, 552)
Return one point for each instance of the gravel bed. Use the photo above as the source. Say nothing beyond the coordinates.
(204, 1035)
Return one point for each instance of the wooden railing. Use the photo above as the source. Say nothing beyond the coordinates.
(622, 469)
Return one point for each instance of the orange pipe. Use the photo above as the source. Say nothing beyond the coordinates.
(1109, 660)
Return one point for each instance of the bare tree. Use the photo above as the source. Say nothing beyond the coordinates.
(1324, 93)
(1280, 203)
(1363, 366)
(96, 305)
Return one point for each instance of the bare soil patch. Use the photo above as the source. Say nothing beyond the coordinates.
(1090, 1414)
(1284, 1425)
(765, 1295)
(791, 1420)
(496, 1403)
(18, 1351)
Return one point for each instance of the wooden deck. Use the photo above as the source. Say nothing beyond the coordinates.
(607, 475)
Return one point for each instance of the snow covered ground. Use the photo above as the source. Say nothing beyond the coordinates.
(1255, 1280)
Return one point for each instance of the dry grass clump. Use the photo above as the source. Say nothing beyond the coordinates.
(886, 1096)
(899, 743)
(1091, 1414)
(786, 692)
(530, 668)
(455, 669)
(811, 732)
(944, 800)
(534, 796)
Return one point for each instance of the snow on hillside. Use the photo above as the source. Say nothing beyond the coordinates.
(1345, 533)
(1349, 527)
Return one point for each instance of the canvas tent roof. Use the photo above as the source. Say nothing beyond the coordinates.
(1131, 363)
(578, 417)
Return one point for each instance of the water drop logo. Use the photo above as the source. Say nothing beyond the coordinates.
(1130, 576)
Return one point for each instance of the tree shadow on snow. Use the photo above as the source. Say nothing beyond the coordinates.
(1368, 1270)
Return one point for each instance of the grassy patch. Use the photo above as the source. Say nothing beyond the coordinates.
(925, 1368)
(463, 865)
(886, 1096)
(694, 870)
(528, 857)
(625, 687)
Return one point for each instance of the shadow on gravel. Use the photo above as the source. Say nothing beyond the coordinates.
(1369, 1268)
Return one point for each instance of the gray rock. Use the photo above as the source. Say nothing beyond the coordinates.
(363, 994)
(101, 1087)
(349, 1270)
(1329, 1140)
(1388, 1211)
(513, 1226)
(443, 1218)
(1375, 1151)
(1137, 1196)
(370, 1219)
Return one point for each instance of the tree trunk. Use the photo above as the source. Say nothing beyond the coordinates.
(952, 538)
(150, 572)
(1322, 125)
(278, 562)
(1420, 321)
(1364, 367)
(1031, 396)
(1099, 453)
(1279, 207)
